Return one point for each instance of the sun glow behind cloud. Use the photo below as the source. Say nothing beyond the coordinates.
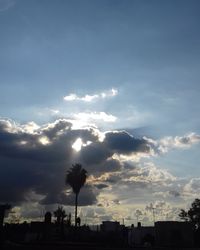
(77, 145)
(44, 140)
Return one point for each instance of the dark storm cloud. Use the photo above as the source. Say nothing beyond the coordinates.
(101, 186)
(105, 165)
(87, 197)
(35, 159)
(110, 165)
(123, 143)
(95, 153)
(17, 143)
(117, 142)
(28, 165)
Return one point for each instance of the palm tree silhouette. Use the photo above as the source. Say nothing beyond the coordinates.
(76, 178)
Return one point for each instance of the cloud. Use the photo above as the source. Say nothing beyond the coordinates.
(150, 174)
(114, 143)
(86, 98)
(192, 188)
(33, 165)
(89, 98)
(95, 116)
(174, 193)
(177, 142)
(87, 196)
(138, 186)
(101, 186)
(122, 142)
(141, 182)
(34, 160)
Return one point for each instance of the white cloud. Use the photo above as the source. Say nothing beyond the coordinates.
(178, 142)
(30, 127)
(151, 174)
(92, 116)
(54, 111)
(89, 98)
(192, 188)
(71, 97)
(165, 144)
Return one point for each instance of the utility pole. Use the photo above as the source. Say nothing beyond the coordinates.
(153, 213)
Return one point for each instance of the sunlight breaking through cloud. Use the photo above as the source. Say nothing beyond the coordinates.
(77, 144)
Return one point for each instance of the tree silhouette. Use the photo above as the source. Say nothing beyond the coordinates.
(60, 214)
(76, 178)
(193, 214)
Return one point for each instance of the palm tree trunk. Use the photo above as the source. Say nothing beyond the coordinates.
(62, 229)
(76, 204)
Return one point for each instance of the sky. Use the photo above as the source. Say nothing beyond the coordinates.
(113, 85)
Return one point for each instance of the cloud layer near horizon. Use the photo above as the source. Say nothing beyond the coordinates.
(34, 160)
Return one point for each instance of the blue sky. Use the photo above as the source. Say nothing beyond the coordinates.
(138, 61)
(149, 51)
